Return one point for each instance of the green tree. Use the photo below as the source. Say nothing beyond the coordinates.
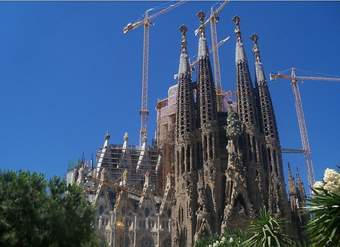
(37, 212)
(205, 242)
(267, 231)
(324, 227)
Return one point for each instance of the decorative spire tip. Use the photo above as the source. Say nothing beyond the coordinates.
(236, 20)
(254, 38)
(237, 30)
(107, 134)
(201, 16)
(183, 29)
(256, 49)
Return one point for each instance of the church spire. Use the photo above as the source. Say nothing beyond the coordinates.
(240, 54)
(185, 98)
(267, 117)
(185, 152)
(207, 93)
(245, 95)
(209, 125)
(202, 43)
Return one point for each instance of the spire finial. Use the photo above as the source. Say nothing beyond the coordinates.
(107, 134)
(236, 20)
(256, 49)
(201, 17)
(254, 37)
(183, 29)
(184, 65)
(126, 136)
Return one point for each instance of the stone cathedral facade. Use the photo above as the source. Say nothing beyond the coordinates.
(213, 166)
(226, 165)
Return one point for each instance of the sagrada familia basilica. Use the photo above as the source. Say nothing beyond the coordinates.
(212, 166)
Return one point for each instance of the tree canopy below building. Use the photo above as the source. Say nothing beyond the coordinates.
(35, 211)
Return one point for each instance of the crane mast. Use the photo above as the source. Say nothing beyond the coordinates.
(146, 23)
(216, 61)
(303, 129)
(301, 117)
(144, 112)
(214, 17)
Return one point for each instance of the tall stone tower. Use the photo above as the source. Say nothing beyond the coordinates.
(248, 114)
(183, 213)
(272, 159)
(209, 129)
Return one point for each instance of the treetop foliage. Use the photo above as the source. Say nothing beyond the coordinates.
(38, 212)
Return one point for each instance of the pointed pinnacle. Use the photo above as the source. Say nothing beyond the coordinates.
(201, 16)
(256, 49)
(183, 29)
(126, 136)
(236, 20)
(237, 30)
(254, 37)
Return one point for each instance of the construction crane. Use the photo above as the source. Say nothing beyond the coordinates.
(300, 115)
(213, 19)
(146, 23)
(292, 150)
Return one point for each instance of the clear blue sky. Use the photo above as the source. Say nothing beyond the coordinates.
(67, 73)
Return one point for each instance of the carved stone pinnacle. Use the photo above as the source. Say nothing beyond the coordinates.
(183, 29)
(254, 38)
(236, 20)
(201, 16)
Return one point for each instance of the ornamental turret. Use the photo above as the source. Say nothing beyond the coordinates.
(183, 213)
(267, 116)
(245, 92)
(185, 97)
(207, 93)
(272, 157)
(209, 128)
